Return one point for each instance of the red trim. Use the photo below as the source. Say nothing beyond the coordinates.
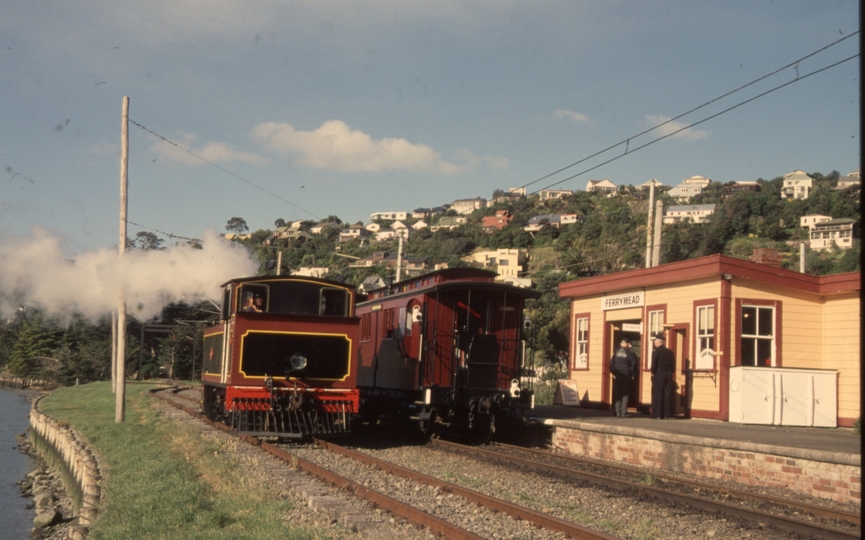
(606, 391)
(846, 422)
(723, 359)
(713, 265)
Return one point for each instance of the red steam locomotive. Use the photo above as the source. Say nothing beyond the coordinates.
(444, 350)
(281, 359)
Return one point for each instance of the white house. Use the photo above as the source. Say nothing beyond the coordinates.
(696, 213)
(388, 216)
(448, 222)
(601, 186)
(852, 179)
(812, 219)
(311, 271)
(838, 232)
(507, 262)
(554, 193)
(467, 206)
(690, 187)
(353, 233)
(797, 185)
(653, 182)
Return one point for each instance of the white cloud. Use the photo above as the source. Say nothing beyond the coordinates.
(497, 162)
(575, 117)
(673, 127)
(104, 148)
(335, 146)
(214, 152)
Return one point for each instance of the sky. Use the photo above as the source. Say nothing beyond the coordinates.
(301, 110)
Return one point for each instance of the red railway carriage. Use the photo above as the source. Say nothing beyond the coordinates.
(281, 360)
(445, 350)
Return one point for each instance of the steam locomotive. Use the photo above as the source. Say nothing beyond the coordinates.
(445, 351)
(281, 359)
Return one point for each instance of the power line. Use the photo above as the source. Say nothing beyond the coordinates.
(169, 235)
(799, 78)
(223, 169)
(746, 85)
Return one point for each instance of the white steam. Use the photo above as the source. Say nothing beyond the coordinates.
(35, 272)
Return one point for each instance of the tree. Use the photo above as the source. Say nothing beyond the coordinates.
(37, 342)
(148, 240)
(237, 225)
(279, 222)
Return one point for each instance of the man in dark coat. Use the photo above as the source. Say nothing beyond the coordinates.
(623, 366)
(663, 367)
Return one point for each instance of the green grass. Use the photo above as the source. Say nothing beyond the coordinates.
(164, 480)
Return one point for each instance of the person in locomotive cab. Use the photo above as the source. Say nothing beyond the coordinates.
(623, 366)
(663, 366)
(252, 304)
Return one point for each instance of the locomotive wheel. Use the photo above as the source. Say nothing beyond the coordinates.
(483, 427)
(214, 404)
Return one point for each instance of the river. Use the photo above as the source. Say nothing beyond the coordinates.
(15, 519)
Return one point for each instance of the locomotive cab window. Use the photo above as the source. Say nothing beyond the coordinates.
(253, 298)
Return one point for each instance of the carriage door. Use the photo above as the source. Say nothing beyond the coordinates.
(411, 329)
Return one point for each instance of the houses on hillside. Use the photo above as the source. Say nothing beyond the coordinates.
(689, 188)
(797, 185)
(695, 213)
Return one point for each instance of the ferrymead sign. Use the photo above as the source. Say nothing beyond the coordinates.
(622, 301)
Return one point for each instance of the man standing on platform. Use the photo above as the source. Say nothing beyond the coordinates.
(623, 366)
(663, 367)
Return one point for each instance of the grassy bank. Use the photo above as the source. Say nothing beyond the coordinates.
(164, 480)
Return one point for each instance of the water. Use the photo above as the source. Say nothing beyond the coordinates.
(15, 519)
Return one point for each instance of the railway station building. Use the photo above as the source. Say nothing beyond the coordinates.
(754, 343)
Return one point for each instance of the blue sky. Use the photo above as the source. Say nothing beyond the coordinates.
(348, 108)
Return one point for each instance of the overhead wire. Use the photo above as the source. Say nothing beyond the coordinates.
(628, 140)
(797, 79)
(223, 169)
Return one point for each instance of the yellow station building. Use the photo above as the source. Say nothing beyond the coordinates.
(754, 343)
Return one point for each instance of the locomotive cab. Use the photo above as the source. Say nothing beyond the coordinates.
(280, 360)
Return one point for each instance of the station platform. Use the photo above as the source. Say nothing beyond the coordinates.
(822, 462)
(783, 440)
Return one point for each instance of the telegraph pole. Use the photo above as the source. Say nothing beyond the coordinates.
(120, 401)
(649, 224)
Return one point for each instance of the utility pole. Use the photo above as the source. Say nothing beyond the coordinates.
(649, 224)
(659, 222)
(113, 352)
(399, 259)
(120, 401)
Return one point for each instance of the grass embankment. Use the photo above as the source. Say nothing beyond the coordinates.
(164, 480)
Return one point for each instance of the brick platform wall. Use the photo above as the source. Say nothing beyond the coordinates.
(838, 482)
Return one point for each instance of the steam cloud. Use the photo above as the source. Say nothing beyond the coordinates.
(35, 272)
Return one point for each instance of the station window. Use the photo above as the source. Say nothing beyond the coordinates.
(656, 327)
(705, 337)
(581, 350)
(758, 335)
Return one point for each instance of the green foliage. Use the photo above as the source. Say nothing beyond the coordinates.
(33, 354)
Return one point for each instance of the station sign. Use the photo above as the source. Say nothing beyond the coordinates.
(623, 301)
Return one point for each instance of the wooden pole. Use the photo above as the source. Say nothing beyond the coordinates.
(659, 223)
(113, 352)
(120, 402)
(649, 225)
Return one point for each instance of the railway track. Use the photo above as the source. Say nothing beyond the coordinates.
(669, 491)
(796, 516)
(405, 510)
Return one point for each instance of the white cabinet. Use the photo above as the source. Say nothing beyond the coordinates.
(784, 396)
